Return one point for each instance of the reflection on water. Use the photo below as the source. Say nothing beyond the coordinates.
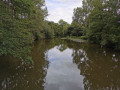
(62, 73)
(63, 65)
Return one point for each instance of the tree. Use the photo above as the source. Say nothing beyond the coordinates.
(48, 30)
(64, 26)
(100, 20)
(75, 29)
(18, 22)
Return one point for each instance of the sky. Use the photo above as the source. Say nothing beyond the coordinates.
(61, 9)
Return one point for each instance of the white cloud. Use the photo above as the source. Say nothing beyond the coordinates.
(62, 9)
(62, 0)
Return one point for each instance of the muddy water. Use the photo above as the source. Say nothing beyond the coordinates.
(63, 65)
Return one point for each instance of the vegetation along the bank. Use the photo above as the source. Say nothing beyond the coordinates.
(24, 21)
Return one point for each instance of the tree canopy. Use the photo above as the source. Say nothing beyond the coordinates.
(21, 22)
(100, 19)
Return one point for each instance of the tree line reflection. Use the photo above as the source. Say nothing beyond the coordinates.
(100, 67)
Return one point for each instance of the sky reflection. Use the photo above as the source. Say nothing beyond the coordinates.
(62, 73)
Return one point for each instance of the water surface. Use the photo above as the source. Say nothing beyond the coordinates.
(63, 65)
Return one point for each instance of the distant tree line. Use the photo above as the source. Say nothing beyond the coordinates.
(97, 21)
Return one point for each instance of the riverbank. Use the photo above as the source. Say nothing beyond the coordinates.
(75, 40)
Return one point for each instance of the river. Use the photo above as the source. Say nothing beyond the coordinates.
(63, 65)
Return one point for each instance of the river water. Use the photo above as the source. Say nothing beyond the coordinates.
(63, 65)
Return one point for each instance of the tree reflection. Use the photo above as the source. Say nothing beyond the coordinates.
(62, 46)
(14, 75)
(100, 68)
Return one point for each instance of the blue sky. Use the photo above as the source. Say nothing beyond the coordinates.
(62, 9)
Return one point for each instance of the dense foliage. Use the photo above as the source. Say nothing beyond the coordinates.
(59, 29)
(21, 22)
(101, 21)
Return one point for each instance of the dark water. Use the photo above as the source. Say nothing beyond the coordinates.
(63, 65)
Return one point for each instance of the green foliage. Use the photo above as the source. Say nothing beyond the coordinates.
(49, 32)
(75, 29)
(64, 27)
(56, 29)
(18, 27)
(84, 37)
(100, 21)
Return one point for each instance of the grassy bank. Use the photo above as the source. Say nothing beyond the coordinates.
(75, 39)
